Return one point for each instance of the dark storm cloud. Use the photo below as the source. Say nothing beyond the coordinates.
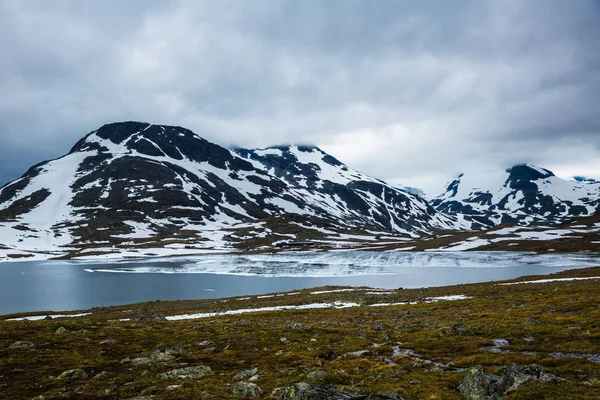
(409, 91)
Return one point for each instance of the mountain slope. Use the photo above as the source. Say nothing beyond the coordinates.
(129, 182)
(522, 194)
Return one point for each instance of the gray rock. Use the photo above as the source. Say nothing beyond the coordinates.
(475, 385)
(21, 344)
(389, 396)
(176, 350)
(73, 374)
(149, 391)
(378, 326)
(317, 375)
(249, 373)
(188, 373)
(307, 391)
(162, 357)
(247, 389)
(479, 385)
(126, 360)
(142, 361)
(61, 331)
(101, 375)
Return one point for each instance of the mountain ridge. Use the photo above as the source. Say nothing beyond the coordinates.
(134, 180)
(134, 185)
(522, 194)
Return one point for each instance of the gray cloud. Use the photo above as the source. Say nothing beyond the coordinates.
(411, 91)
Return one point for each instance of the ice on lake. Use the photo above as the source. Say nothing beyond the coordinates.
(78, 285)
(349, 263)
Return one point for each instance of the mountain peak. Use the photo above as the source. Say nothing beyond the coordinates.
(523, 193)
(528, 172)
(164, 141)
(117, 132)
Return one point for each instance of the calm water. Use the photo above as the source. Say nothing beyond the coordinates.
(59, 285)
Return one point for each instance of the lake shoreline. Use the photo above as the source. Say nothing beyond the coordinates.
(76, 285)
(573, 275)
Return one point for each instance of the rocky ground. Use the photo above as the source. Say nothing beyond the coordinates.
(479, 341)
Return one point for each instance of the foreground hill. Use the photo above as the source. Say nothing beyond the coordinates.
(134, 183)
(522, 194)
(531, 338)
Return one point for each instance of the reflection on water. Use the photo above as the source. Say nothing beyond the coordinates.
(60, 285)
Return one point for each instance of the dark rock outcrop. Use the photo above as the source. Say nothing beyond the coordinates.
(479, 385)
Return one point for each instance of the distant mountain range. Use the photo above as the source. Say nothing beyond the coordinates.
(522, 194)
(131, 183)
(134, 180)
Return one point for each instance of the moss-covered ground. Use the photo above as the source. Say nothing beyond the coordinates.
(418, 351)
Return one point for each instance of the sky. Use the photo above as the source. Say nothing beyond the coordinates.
(411, 92)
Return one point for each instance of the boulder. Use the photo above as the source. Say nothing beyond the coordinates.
(142, 361)
(475, 385)
(479, 385)
(73, 374)
(307, 391)
(247, 389)
(389, 396)
(188, 373)
(249, 373)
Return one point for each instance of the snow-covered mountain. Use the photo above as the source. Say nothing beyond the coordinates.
(521, 194)
(131, 181)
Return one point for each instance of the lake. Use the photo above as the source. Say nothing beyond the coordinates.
(75, 285)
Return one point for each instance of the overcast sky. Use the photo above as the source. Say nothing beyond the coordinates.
(412, 92)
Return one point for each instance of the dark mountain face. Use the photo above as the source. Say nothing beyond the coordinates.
(524, 194)
(132, 180)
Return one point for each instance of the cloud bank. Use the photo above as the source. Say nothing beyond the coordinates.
(411, 92)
